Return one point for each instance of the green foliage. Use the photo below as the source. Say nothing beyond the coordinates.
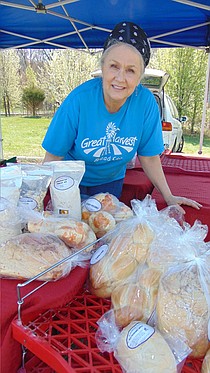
(187, 70)
(32, 98)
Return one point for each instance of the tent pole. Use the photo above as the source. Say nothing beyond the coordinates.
(205, 104)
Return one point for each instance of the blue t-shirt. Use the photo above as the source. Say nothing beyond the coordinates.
(83, 129)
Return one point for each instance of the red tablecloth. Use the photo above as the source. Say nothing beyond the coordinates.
(136, 185)
(53, 294)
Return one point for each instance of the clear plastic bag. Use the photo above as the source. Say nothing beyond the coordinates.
(10, 183)
(10, 220)
(140, 348)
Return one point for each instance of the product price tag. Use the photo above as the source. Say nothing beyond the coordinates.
(92, 204)
(139, 334)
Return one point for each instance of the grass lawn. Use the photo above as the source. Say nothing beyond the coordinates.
(22, 136)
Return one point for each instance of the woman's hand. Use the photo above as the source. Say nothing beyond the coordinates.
(177, 200)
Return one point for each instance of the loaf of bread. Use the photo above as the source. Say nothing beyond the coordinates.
(182, 308)
(142, 349)
(135, 298)
(206, 363)
(127, 249)
(29, 254)
(75, 234)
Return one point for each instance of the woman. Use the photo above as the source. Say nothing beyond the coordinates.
(106, 121)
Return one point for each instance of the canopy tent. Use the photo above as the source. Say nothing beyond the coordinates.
(85, 24)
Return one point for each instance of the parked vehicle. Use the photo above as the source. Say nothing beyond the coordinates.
(172, 131)
(155, 80)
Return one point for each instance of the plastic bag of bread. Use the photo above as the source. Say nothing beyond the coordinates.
(103, 211)
(10, 182)
(140, 348)
(29, 254)
(10, 220)
(206, 363)
(76, 234)
(183, 302)
(121, 252)
(174, 243)
(135, 298)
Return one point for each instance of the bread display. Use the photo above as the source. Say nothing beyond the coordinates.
(28, 254)
(142, 349)
(182, 308)
(75, 234)
(127, 249)
(135, 298)
(206, 363)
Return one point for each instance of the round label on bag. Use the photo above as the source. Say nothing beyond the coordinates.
(92, 204)
(99, 254)
(139, 334)
(28, 201)
(63, 182)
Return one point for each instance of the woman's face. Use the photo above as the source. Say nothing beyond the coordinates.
(121, 71)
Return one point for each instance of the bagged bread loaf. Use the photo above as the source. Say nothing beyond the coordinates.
(75, 234)
(135, 298)
(102, 211)
(119, 256)
(28, 254)
(183, 301)
(206, 363)
(139, 348)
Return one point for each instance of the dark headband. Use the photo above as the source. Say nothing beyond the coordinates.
(132, 34)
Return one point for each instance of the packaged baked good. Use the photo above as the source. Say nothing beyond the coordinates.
(105, 203)
(135, 298)
(119, 255)
(10, 183)
(35, 182)
(183, 300)
(10, 220)
(101, 222)
(29, 254)
(76, 234)
(206, 363)
(140, 348)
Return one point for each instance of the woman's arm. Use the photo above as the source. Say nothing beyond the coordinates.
(153, 169)
(50, 157)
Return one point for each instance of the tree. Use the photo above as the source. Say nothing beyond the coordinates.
(10, 80)
(187, 70)
(33, 98)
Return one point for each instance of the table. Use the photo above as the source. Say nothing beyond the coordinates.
(136, 185)
(188, 176)
(53, 294)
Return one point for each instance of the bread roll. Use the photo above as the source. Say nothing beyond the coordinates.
(206, 363)
(182, 307)
(28, 254)
(127, 249)
(135, 298)
(101, 222)
(75, 234)
(141, 349)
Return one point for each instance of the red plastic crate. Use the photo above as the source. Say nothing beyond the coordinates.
(63, 340)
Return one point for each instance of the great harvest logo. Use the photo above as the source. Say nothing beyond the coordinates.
(108, 145)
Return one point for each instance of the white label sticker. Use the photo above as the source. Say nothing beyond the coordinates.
(28, 201)
(99, 254)
(63, 182)
(92, 205)
(139, 334)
